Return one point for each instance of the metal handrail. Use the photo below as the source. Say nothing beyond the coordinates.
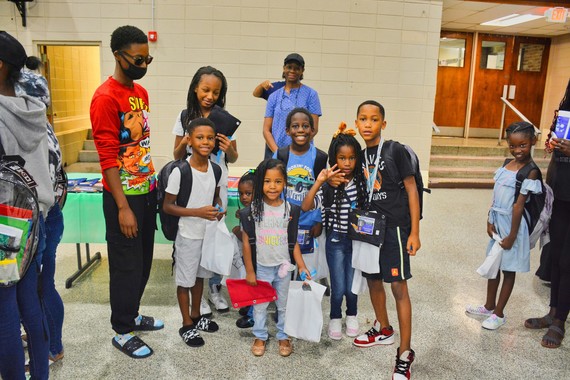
(515, 110)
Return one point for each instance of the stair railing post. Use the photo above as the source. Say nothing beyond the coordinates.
(502, 122)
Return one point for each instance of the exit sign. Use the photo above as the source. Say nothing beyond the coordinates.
(558, 14)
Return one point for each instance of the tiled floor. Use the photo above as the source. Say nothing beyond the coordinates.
(448, 343)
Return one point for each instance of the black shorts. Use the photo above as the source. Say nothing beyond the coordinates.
(394, 257)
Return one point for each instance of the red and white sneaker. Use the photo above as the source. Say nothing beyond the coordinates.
(375, 336)
(403, 364)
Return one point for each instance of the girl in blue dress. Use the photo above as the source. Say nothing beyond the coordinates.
(506, 220)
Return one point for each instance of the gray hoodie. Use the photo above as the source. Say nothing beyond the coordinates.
(23, 132)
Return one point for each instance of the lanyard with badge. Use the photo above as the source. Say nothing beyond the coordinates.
(366, 225)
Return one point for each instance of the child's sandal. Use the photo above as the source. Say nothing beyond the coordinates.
(553, 338)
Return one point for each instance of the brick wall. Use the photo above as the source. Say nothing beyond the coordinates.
(354, 51)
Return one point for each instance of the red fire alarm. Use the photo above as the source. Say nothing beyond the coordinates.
(152, 36)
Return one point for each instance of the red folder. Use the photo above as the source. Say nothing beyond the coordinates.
(242, 294)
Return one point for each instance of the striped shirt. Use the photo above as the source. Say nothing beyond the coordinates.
(338, 215)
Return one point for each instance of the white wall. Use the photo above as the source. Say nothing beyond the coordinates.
(354, 51)
(556, 80)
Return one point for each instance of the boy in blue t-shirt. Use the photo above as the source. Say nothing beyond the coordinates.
(386, 165)
(301, 173)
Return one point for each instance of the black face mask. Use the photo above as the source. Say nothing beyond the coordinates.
(134, 72)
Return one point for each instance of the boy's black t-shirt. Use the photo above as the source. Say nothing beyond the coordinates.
(388, 197)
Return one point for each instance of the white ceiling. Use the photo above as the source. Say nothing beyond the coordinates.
(467, 15)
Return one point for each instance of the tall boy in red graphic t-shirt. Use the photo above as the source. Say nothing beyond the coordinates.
(119, 117)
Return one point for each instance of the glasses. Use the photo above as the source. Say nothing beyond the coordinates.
(138, 60)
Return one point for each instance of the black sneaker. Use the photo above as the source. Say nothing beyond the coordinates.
(191, 336)
(245, 322)
(207, 325)
(403, 364)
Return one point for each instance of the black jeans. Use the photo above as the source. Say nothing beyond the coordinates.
(560, 256)
(130, 260)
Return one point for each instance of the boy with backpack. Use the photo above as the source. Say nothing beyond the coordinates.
(199, 207)
(386, 165)
(303, 162)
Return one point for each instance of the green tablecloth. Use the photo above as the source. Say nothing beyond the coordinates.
(84, 221)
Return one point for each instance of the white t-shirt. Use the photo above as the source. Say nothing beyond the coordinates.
(202, 194)
(271, 234)
(219, 159)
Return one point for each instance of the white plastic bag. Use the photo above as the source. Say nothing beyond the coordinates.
(318, 259)
(492, 263)
(304, 315)
(217, 248)
(359, 284)
(365, 257)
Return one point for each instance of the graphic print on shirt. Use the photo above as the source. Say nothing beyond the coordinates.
(299, 181)
(272, 229)
(135, 163)
(378, 194)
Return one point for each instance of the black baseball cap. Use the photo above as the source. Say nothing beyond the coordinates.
(295, 58)
(12, 51)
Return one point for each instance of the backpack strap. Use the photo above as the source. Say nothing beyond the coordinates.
(248, 225)
(293, 229)
(320, 162)
(185, 182)
(283, 154)
(217, 172)
(183, 116)
(523, 174)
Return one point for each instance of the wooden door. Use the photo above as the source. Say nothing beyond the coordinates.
(528, 69)
(453, 79)
(493, 62)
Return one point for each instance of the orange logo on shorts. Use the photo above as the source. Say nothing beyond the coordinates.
(394, 272)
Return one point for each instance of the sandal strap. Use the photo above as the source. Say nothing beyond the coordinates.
(134, 344)
(557, 329)
(147, 321)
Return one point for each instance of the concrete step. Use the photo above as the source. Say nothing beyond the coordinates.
(82, 167)
(481, 161)
(462, 183)
(497, 151)
(88, 156)
(89, 145)
(480, 172)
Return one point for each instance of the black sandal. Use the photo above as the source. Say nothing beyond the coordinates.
(539, 323)
(147, 324)
(131, 346)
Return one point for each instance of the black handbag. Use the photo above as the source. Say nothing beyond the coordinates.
(367, 226)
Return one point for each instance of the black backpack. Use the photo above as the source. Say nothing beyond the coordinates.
(169, 223)
(539, 207)
(319, 164)
(248, 225)
(414, 161)
(19, 218)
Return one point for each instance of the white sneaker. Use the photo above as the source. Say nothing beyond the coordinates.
(478, 310)
(493, 322)
(335, 329)
(352, 327)
(217, 299)
(205, 308)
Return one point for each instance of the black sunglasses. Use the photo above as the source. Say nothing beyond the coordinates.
(138, 60)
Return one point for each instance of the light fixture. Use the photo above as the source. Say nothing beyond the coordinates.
(510, 20)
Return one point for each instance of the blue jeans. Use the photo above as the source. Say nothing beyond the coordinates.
(53, 305)
(281, 285)
(11, 351)
(339, 260)
(32, 313)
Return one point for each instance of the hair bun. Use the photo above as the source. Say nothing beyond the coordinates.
(33, 63)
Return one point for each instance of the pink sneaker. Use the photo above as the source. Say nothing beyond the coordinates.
(352, 327)
(335, 329)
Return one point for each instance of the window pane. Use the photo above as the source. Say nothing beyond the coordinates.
(451, 52)
(492, 55)
(530, 57)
